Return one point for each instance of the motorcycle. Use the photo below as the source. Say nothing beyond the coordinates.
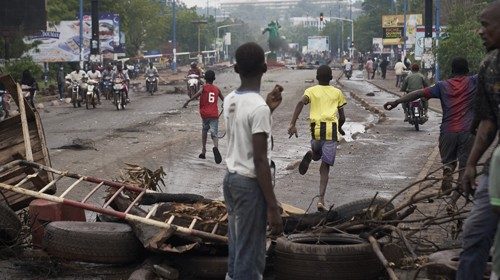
(91, 96)
(193, 83)
(151, 83)
(348, 74)
(416, 114)
(107, 87)
(76, 98)
(119, 95)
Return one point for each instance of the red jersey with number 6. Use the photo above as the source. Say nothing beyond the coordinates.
(208, 102)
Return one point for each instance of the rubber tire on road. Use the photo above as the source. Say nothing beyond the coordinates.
(206, 267)
(299, 257)
(348, 211)
(110, 243)
(10, 224)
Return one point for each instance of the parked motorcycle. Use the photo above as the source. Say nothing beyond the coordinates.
(193, 83)
(151, 83)
(119, 94)
(107, 87)
(416, 114)
(91, 96)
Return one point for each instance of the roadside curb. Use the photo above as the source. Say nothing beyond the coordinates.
(431, 107)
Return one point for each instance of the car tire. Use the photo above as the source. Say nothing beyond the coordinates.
(348, 211)
(339, 256)
(10, 224)
(110, 243)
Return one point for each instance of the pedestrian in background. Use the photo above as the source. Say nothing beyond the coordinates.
(480, 227)
(399, 69)
(248, 189)
(375, 67)
(61, 82)
(369, 67)
(383, 66)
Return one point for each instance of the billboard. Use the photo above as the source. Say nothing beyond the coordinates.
(28, 16)
(393, 28)
(318, 43)
(61, 43)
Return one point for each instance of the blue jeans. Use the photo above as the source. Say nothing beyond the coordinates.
(478, 235)
(247, 219)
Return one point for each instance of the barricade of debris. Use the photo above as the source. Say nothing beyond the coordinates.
(184, 235)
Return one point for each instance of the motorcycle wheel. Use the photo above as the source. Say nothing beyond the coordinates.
(87, 102)
(93, 102)
(116, 101)
(417, 121)
(124, 101)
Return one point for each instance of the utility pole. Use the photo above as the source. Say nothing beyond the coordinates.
(94, 41)
(405, 9)
(174, 43)
(81, 33)
(438, 34)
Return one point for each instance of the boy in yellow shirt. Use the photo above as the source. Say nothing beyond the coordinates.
(326, 103)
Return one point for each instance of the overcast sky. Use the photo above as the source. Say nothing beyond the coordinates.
(203, 3)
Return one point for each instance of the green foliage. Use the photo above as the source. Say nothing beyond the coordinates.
(462, 40)
(16, 68)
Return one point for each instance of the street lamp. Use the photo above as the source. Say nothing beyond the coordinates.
(218, 28)
(199, 23)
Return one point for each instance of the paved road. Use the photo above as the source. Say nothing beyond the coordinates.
(155, 131)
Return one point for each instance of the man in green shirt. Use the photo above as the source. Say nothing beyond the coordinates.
(413, 82)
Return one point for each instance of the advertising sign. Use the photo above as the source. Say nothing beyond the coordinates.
(318, 43)
(393, 25)
(61, 43)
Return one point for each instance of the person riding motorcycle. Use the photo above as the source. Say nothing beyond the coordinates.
(412, 82)
(95, 75)
(122, 74)
(195, 70)
(348, 68)
(152, 70)
(77, 75)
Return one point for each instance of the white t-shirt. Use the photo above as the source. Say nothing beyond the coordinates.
(399, 68)
(94, 75)
(245, 114)
(348, 66)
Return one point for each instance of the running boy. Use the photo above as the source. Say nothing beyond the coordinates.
(326, 102)
(209, 110)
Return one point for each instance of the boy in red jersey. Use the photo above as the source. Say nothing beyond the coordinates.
(209, 95)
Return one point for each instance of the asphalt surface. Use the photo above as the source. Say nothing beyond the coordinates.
(155, 131)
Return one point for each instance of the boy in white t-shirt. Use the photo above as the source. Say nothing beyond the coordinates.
(248, 191)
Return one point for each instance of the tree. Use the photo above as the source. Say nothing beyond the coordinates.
(461, 36)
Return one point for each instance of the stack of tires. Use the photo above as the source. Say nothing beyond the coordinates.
(329, 256)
